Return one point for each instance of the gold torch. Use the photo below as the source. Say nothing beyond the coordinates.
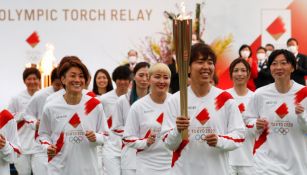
(182, 34)
(46, 65)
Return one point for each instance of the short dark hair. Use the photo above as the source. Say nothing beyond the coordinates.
(201, 50)
(54, 75)
(261, 48)
(288, 55)
(292, 39)
(109, 86)
(243, 47)
(29, 71)
(237, 61)
(67, 58)
(122, 73)
(73, 63)
(270, 45)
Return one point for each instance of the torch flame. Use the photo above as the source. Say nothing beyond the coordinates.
(183, 15)
(48, 60)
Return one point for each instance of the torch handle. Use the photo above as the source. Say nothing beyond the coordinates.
(182, 32)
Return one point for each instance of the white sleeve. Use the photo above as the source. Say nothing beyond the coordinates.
(171, 136)
(13, 108)
(118, 119)
(235, 135)
(132, 131)
(102, 127)
(302, 118)
(31, 112)
(11, 149)
(44, 130)
(251, 115)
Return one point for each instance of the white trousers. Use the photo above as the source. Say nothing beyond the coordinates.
(241, 170)
(128, 172)
(111, 165)
(100, 162)
(35, 162)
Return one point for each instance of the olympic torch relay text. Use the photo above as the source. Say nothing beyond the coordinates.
(83, 15)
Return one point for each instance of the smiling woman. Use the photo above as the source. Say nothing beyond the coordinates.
(277, 111)
(241, 159)
(73, 75)
(72, 138)
(144, 122)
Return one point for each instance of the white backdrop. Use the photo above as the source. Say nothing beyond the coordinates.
(104, 42)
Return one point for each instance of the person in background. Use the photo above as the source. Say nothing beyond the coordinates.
(278, 113)
(261, 57)
(264, 74)
(33, 114)
(9, 142)
(215, 80)
(144, 122)
(111, 153)
(102, 82)
(269, 49)
(245, 52)
(26, 162)
(214, 122)
(139, 89)
(132, 58)
(301, 62)
(241, 159)
(72, 125)
(167, 58)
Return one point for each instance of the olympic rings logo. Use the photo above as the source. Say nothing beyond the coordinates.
(75, 139)
(200, 137)
(281, 130)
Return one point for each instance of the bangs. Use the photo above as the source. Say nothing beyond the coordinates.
(159, 67)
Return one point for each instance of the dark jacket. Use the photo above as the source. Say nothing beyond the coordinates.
(301, 69)
(264, 76)
(174, 86)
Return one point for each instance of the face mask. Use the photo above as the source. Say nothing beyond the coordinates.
(268, 53)
(245, 54)
(261, 57)
(293, 49)
(132, 61)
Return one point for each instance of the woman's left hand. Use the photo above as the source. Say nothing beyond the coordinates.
(299, 109)
(211, 139)
(2, 141)
(91, 136)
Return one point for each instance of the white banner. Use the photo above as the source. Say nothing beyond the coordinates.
(101, 32)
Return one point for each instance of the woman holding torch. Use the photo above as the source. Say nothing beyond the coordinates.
(215, 125)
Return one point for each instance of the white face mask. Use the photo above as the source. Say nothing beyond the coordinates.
(245, 53)
(293, 49)
(268, 53)
(132, 61)
(261, 57)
